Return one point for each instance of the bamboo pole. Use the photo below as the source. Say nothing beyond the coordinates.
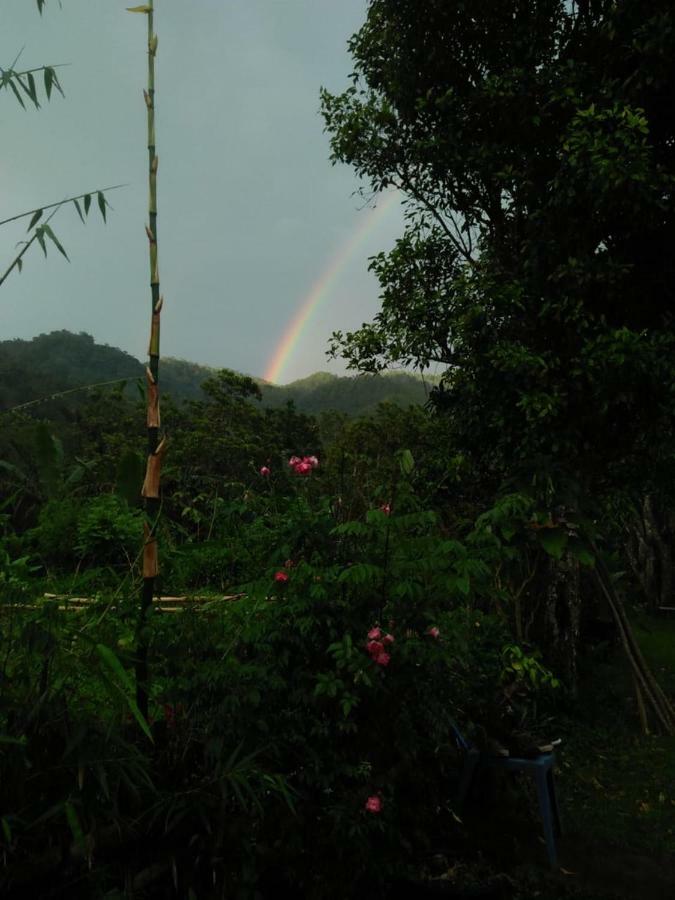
(156, 448)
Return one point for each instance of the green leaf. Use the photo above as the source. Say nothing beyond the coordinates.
(101, 204)
(463, 584)
(581, 553)
(87, 203)
(406, 462)
(49, 81)
(40, 235)
(123, 685)
(16, 92)
(32, 90)
(554, 541)
(79, 210)
(74, 824)
(37, 215)
(52, 237)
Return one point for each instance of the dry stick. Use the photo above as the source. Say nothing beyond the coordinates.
(637, 653)
(156, 448)
(642, 674)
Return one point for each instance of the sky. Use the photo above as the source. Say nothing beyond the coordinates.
(258, 232)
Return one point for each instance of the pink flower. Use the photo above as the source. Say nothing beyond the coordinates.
(312, 460)
(302, 468)
(281, 577)
(374, 648)
(264, 471)
(374, 634)
(433, 632)
(293, 461)
(374, 804)
(388, 639)
(386, 509)
(382, 659)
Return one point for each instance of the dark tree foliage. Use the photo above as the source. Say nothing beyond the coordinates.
(534, 141)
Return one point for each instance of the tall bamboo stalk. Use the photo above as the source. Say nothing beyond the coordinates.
(156, 446)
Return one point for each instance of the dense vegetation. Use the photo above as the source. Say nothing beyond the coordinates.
(339, 591)
(61, 361)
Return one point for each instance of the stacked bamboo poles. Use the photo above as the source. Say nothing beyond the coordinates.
(156, 446)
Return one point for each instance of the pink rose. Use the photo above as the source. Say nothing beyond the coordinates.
(374, 648)
(264, 471)
(374, 804)
(281, 577)
(382, 659)
(293, 461)
(302, 468)
(433, 632)
(386, 509)
(312, 460)
(388, 639)
(374, 634)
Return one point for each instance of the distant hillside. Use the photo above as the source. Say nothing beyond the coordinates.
(61, 360)
(353, 395)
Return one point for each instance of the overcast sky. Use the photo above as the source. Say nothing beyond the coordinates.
(251, 212)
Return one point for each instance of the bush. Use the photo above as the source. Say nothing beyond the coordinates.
(108, 531)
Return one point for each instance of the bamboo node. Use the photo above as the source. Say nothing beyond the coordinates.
(147, 98)
(155, 164)
(153, 472)
(159, 305)
(151, 236)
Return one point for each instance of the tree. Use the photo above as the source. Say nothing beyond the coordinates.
(534, 143)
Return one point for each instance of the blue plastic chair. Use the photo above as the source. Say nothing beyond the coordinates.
(540, 768)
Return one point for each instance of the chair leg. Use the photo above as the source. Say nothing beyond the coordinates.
(545, 807)
(467, 776)
(554, 802)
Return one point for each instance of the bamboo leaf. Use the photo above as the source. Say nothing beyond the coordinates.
(101, 204)
(33, 88)
(37, 215)
(123, 685)
(79, 210)
(74, 824)
(87, 203)
(140, 9)
(16, 92)
(50, 234)
(40, 5)
(49, 81)
(19, 264)
(40, 235)
(57, 83)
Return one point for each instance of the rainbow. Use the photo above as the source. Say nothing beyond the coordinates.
(322, 287)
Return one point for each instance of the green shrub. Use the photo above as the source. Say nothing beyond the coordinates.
(108, 531)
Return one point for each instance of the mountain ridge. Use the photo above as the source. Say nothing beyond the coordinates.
(60, 361)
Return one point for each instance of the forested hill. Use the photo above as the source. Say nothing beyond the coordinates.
(61, 361)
